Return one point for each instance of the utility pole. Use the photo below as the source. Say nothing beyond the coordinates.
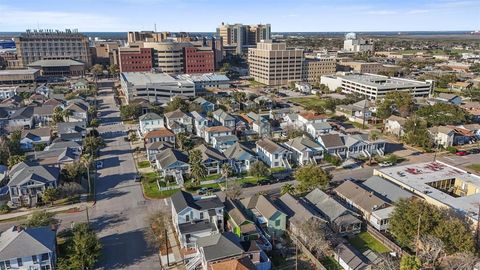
(477, 232)
(166, 246)
(418, 235)
(296, 253)
(88, 218)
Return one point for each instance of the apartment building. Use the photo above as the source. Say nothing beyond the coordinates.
(314, 69)
(237, 38)
(49, 44)
(105, 52)
(273, 64)
(135, 59)
(146, 36)
(198, 60)
(168, 56)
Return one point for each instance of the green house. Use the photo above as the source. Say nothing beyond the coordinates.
(266, 214)
(244, 228)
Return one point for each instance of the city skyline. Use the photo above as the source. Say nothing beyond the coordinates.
(205, 16)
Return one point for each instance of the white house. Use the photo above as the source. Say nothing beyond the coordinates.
(304, 150)
(240, 157)
(7, 92)
(309, 118)
(224, 118)
(216, 131)
(395, 125)
(318, 129)
(200, 122)
(149, 122)
(179, 118)
(272, 153)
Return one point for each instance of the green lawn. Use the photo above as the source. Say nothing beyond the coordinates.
(475, 167)
(150, 187)
(330, 263)
(308, 101)
(364, 241)
(143, 164)
(277, 170)
(212, 177)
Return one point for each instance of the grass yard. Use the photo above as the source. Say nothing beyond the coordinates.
(150, 187)
(330, 263)
(277, 170)
(143, 164)
(475, 167)
(364, 241)
(308, 101)
(212, 177)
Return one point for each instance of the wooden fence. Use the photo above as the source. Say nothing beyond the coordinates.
(384, 240)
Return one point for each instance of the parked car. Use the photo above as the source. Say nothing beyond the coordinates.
(137, 178)
(202, 191)
(386, 164)
(461, 153)
(99, 164)
(264, 182)
(247, 185)
(474, 151)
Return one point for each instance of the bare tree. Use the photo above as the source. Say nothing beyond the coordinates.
(388, 263)
(315, 235)
(158, 223)
(431, 248)
(460, 261)
(233, 190)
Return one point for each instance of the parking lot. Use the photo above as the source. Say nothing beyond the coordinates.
(460, 161)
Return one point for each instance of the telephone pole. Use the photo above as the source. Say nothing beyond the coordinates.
(418, 235)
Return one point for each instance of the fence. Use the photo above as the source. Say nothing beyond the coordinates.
(307, 252)
(382, 238)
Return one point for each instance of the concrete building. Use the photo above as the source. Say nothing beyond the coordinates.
(314, 69)
(105, 52)
(154, 87)
(238, 37)
(19, 76)
(135, 59)
(147, 36)
(168, 56)
(49, 44)
(376, 86)
(59, 67)
(198, 60)
(363, 67)
(207, 80)
(273, 64)
(354, 44)
(7, 92)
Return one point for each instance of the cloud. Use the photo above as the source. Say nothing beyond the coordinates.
(382, 12)
(418, 11)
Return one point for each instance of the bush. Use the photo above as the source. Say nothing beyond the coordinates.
(4, 209)
(336, 161)
(451, 149)
(169, 179)
(70, 189)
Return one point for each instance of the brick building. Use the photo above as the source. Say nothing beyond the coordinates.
(135, 59)
(198, 61)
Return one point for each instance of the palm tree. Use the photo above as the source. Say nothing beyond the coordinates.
(197, 169)
(226, 170)
(66, 114)
(287, 188)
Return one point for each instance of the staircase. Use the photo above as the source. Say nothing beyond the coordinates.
(179, 178)
(380, 152)
(286, 164)
(194, 262)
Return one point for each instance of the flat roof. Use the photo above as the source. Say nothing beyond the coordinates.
(382, 82)
(56, 63)
(416, 178)
(206, 77)
(144, 78)
(18, 71)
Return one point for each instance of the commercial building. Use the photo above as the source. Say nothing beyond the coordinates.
(273, 64)
(135, 59)
(376, 86)
(168, 56)
(49, 44)
(198, 60)
(59, 67)
(314, 69)
(105, 52)
(354, 44)
(439, 184)
(146, 36)
(363, 67)
(208, 80)
(155, 87)
(18, 76)
(237, 38)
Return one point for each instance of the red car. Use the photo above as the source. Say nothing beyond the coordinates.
(461, 153)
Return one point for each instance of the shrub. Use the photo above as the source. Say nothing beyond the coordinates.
(4, 209)
(451, 149)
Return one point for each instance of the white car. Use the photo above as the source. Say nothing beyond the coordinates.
(386, 164)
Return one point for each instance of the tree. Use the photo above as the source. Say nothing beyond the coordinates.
(455, 234)
(195, 107)
(40, 219)
(84, 249)
(405, 217)
(461, 261)
(155, 233)
(49, 195)
(197, 169)
(130, 111)
(114, 70)
(410, 263)
(97, 70)
(175, 104)
(258, 169)
(72, 172)
(374, 135)
(14, 143)
(15, 159)
(287, 188)
(310, 177)
(443, 114)
(316, 236)
(402, 102)
(94, 123)
(233, 190)
(70, 189)
(430, 250)
(226, 170)
(92, 144)
(416, 133)
(183, 141)
(57, 116)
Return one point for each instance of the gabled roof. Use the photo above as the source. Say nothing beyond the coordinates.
(175, 114)
(169, 156)
(18, 243)
(220, 246)
(441, 129)
(386, 189)
(302, 143)
(159, 133)
(331, 140)
(329, 207)
(296, 210)
(235, 264)
(364, 199)
(23, 172)
(310, 116)
(71, 127)
(53, 102)
(354, 259)
(321, 125)
(269, 146)
(60, 144)
(159, 145)
(23, 113)
(398, 119)
(237, 150)
(77, 106)
(210, 153)
(221, 114)
(266, 207)
(150, 116)
(226, 138)
(37, 132)
(182, 200)
(44, 110)
(218, 129)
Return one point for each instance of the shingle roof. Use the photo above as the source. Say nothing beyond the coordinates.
(71, 127)
(150, 116)
(23, 172)
(39, 132)
(235, 264)
(266, 207)
(159, 145)
(321, 126)
(182, 200)
(220, 246)
(26, 242)
(221, 114)
(23, 113)
(301, 143)
(398, 119)
(269, 145)
(162, 132)
(330, 208)
(169, 156)
(192, 227)
(296, 210)
(332, 140)
(44, 110)
(175, 114)
(237, 150)
(210, 153)
(351, 257)
(363, 198)
(386, 189)
(218, 129)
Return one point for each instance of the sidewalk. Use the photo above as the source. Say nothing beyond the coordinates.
(174, 256)
(80, 205)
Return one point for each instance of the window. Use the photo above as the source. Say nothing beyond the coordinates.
(201, 215)
(19, 261)
(7, 264)
(277, 223)
(187, 218)
(34, 258)
(2, 266)
(45, 257)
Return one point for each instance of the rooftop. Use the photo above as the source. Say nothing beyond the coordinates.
(145, 78)
(56, 63)
(18, 71)
(382, 82)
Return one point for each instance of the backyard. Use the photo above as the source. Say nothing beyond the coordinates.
(312, 101)
(150, 187)
(364, 241)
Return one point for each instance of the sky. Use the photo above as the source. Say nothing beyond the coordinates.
(206, 15)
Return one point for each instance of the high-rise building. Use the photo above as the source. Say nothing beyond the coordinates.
(135, 59)
(237, 38)
(315, 68)
(49, 44)
(198, 60)
(105, 52)
(273, 64)
(354, 44)
(168, 56)
(146, 36)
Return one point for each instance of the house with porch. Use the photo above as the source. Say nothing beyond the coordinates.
(206, 105)
(304, 150)
(240, 157)
(224, 119)
(222, 143)
(266, 215)
(200, 122)
(72, 131)
(172, 162)
(238, 223)
(216, 131)
(358, 112)
(272, 154)
(333, 145)
(212, 158)
(149, 122)
(178, 118)
(310, 118)
(78, 111)
(154, 148)
(159, 135)
(360, 145)
(395, 125)
(37, 136)
(318, 129)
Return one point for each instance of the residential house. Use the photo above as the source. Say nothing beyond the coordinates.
(206, 105)
(297, 211)
(43, 115)
(224, 118)
(55, 157)
(238, 264)
(32, 137)
(304, 150)
(194, 218)
(341, 219)
(200, 122)
(154, 148)
(35, 99)
(27, 182)
(291, 120)
(238, 223)
(149, 122)
(333, 145)
(473, 108)
(222, 143)
(318, 129)
(359, 112)
(259, 124)
(395, 125)
(179, 118)
(273, 154)
(172, 162)
(78, 111)
(303, 87)
(61, 144)
(159, 135)
(350, 258)
(264, 102)
(55, 102)
(72, 131)
(212, 158)
(451, 136)
(80, 85)
(360, 145)
(266, 215)
(358, 197)
(28, 248)
(44, 90)
(446, 99)
(279, 114)
(309, 118)
(21, 118)
(474, 128)
(240, 157)
(216, 131)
